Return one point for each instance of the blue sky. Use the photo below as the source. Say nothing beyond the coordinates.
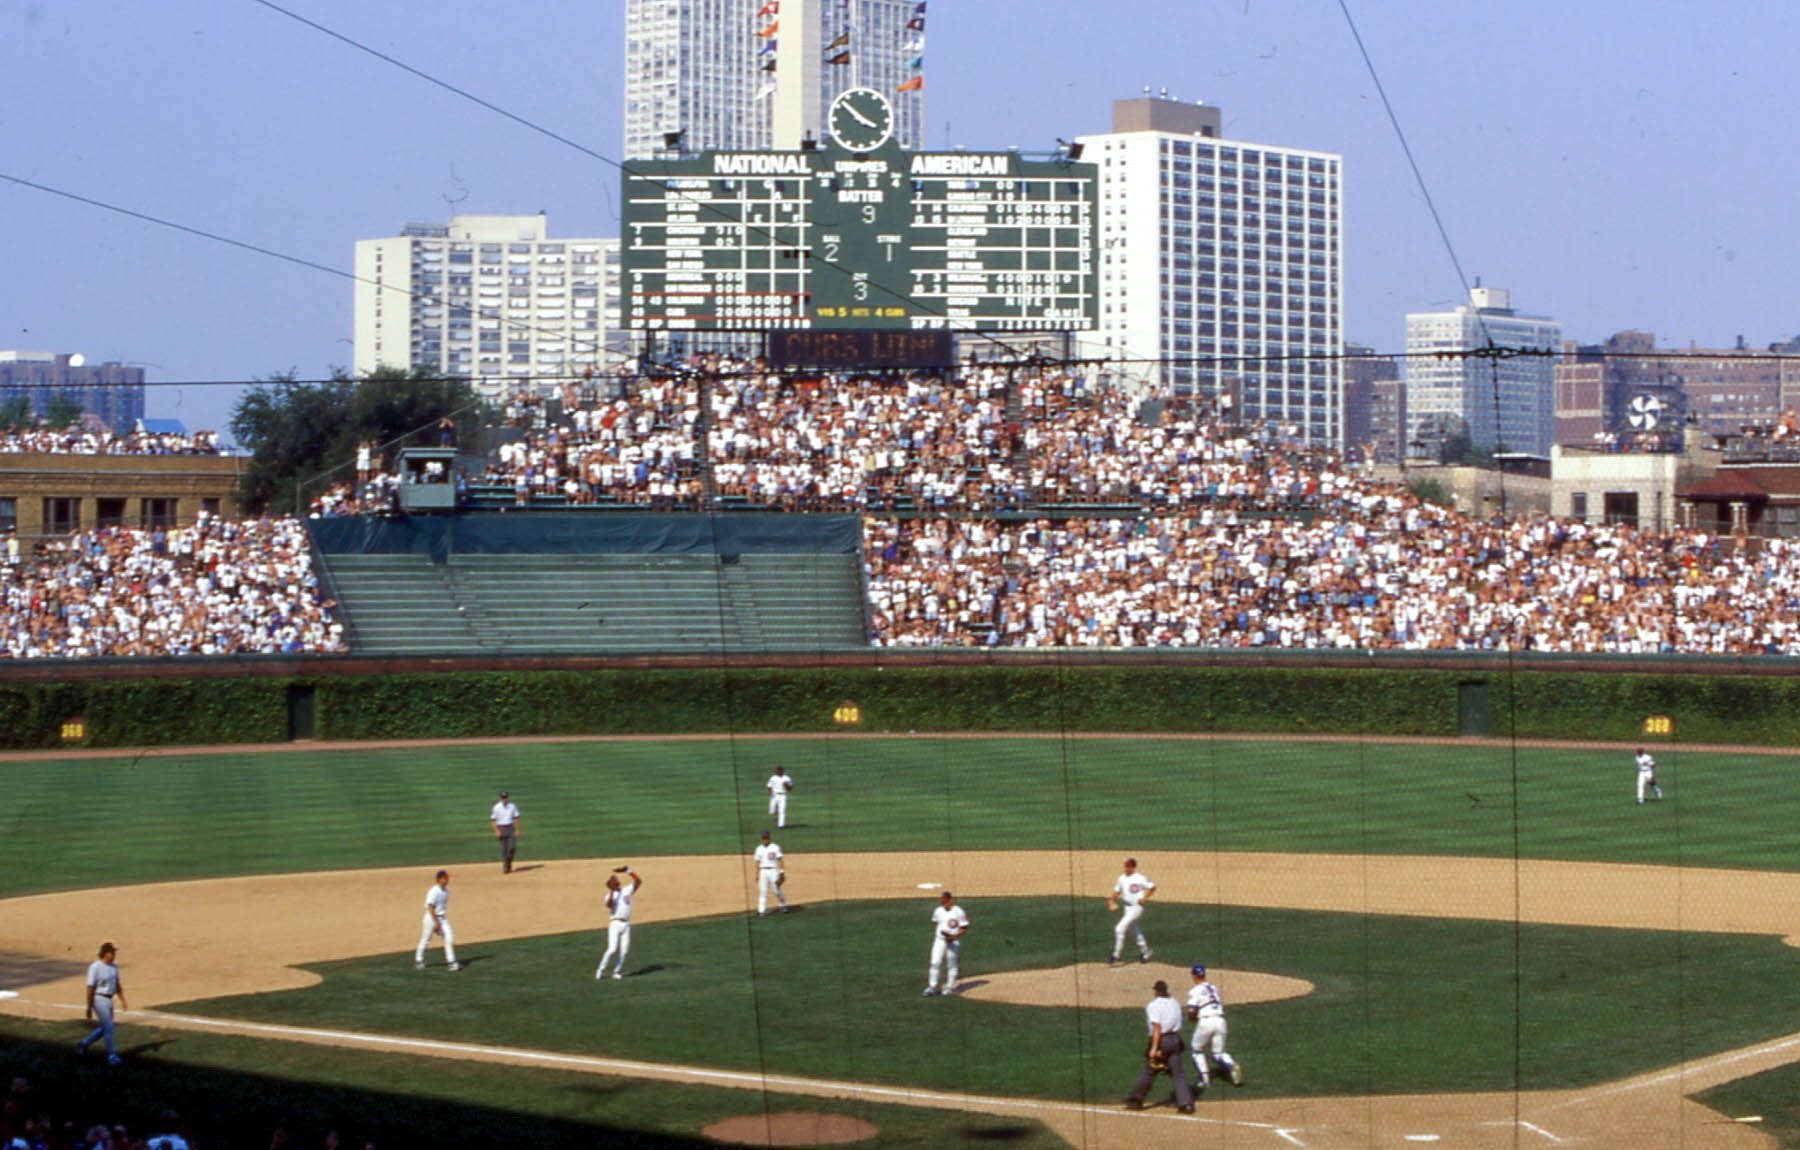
(1614, 166)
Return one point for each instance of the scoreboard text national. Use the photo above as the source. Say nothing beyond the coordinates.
(860, 234)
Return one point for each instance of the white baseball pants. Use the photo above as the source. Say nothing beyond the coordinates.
(778, 808)
(618, 941)
(425, 931)
(1209, 1038)
(1129, 922)
(765, 886)
(944, 950)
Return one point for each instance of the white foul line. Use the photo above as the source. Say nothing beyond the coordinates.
(631, 1068)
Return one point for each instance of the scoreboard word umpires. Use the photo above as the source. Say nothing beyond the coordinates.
(860, 234)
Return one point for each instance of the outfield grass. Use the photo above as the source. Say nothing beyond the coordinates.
(235, 1091)
(79, 823)
(1401, 1005)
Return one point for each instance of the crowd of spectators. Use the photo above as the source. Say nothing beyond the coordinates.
(985, 438)
(27, 1122)
(639, 449)
(218, 587)
(80, 441)
(1392, 574)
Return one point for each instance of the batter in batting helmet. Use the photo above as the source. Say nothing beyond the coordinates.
(1199, 969)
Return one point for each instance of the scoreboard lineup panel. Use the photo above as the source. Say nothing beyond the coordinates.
(888, 239)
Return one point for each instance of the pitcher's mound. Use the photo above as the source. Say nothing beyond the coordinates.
(793, 1128)
(1128, 984)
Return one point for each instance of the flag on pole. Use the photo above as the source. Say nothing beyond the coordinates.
(843, 40)
(770, 8)
(839, 58)
(913, 85)
(770, 30)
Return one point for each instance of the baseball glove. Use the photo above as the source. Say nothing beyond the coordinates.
(781, 878)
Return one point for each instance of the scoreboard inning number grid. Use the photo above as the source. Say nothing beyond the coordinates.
(869, 238)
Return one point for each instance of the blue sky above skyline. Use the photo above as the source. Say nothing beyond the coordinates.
(1613, 167)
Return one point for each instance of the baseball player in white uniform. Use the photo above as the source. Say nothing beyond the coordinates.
(618, 931)
(104, 990)
(437, 921)
(779, 784)
(771, 875)
(1133, 889)
(1646, 767)
(1207, 1010)
(949, 923)
(504, 818)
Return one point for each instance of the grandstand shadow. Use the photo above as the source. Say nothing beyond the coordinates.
(228, 1107)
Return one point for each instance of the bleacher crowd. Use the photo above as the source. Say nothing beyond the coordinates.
(1123, 525)
(75, 441)
(218, 587)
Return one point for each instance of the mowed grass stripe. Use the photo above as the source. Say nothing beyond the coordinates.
(162, 816)
(1401, 1004)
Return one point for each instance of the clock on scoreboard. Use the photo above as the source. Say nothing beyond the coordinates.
(860, 234)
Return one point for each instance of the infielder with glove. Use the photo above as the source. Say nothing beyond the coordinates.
(437, 921)
(618, 931)
(771, 875)
(1134, 890)
(949, 923)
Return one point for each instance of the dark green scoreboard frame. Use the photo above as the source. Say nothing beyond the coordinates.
(832, 239)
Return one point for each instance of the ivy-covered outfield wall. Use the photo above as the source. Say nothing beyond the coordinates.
(897, 696)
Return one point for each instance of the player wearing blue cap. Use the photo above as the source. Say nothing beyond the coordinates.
(1207, 1010)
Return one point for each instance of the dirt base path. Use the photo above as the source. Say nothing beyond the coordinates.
(187, 940)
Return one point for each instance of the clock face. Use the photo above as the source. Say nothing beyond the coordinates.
(861, 119)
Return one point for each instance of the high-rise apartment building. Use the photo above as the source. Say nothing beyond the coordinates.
(1497, 402)
(1221, 265)
(113, 392)
(708, 70)
(488, 298)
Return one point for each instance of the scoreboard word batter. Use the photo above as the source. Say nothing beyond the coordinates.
(860, 234)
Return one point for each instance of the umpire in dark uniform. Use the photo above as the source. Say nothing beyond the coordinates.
(1163, 1019)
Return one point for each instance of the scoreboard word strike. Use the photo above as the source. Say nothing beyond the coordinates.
(860, 234)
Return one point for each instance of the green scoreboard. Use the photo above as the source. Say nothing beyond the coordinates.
(860, 234)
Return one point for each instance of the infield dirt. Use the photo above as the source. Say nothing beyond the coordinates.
(189, 940)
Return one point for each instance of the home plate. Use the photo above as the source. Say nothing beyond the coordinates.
(931, 886)
(9, 994)
(1421, 1137)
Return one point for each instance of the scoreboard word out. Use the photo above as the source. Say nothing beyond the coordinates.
(860, 234)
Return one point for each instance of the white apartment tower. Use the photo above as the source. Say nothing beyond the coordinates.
(709, 69)
(490, 298)
(1221, 265)
(1504, 403)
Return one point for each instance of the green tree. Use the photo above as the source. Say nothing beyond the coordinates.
(16, 412)
(63, 410)
(302, 436)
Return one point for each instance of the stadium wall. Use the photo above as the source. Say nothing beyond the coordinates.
(143, 703)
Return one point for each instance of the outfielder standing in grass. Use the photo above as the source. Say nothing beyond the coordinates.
(103, 990)
(505, 820)
(1646, 771)
(1133, 889)
(949, 923)
(437, 921)
(779, 784)
(771, 875)
(618, 930)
